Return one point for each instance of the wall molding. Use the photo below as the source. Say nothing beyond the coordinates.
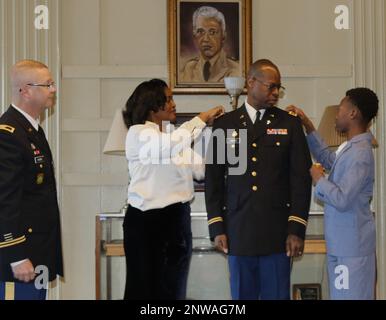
(113, 72)
(87, 125)
(95, 179)
(161, 71)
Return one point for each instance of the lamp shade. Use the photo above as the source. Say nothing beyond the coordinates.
(327, 127)
(328, 131)
(115, 143)
(234, 85)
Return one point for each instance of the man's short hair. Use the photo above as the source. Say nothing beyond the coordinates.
(365, 100)
(29, 64)
(209, 12)
(256, 69)
(23, 67)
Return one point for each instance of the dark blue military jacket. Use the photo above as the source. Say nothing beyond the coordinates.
(258, 208)
(29, 212)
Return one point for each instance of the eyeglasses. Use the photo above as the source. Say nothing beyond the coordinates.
(271, 86)
(201, 32)
(48, 86)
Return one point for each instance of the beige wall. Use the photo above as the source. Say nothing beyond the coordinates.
(104, 48)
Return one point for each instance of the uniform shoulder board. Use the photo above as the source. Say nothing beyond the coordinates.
(8, 128)
(292, 113)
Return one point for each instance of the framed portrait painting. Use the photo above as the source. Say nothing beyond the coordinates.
(208, 41)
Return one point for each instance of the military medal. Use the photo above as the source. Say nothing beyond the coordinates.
(40, 178)
(280, 132)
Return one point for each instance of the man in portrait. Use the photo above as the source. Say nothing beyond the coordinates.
(212, 64)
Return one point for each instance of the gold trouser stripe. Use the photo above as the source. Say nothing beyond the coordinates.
(214, 220)
(297, 219)
(9, 291)
(13, 242)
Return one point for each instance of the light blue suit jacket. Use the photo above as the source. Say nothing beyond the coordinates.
(346, 194)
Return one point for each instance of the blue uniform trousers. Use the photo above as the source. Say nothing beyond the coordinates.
(260, 277)
(21, 291)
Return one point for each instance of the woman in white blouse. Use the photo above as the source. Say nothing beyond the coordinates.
(157, 230)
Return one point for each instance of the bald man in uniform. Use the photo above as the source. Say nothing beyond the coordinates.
(213, 64)
(30, 236)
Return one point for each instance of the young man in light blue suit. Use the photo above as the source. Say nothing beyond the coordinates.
(346, 194)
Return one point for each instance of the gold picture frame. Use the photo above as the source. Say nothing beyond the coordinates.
(230, 54)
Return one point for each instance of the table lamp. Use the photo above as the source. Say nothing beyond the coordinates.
(234, 86)
(116, 140)
(115, 143)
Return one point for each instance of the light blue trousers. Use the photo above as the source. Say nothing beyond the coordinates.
(351, 278)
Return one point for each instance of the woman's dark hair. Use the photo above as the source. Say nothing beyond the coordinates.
(148, 96)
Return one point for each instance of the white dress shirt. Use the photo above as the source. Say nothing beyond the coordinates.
(340, 148)
(159, 169)
(32, 121)
(252, 112)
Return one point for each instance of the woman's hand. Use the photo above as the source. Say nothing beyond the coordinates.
(212, 114)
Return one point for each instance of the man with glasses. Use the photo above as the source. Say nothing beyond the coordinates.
(30, 236)
(212, 65)
(259, 218)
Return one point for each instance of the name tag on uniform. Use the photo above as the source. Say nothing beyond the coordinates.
(280, 132)
(39, 159)
(233, 140)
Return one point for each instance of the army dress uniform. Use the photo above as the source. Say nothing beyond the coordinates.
(259, 208)
(218, 68)
(29, 212)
